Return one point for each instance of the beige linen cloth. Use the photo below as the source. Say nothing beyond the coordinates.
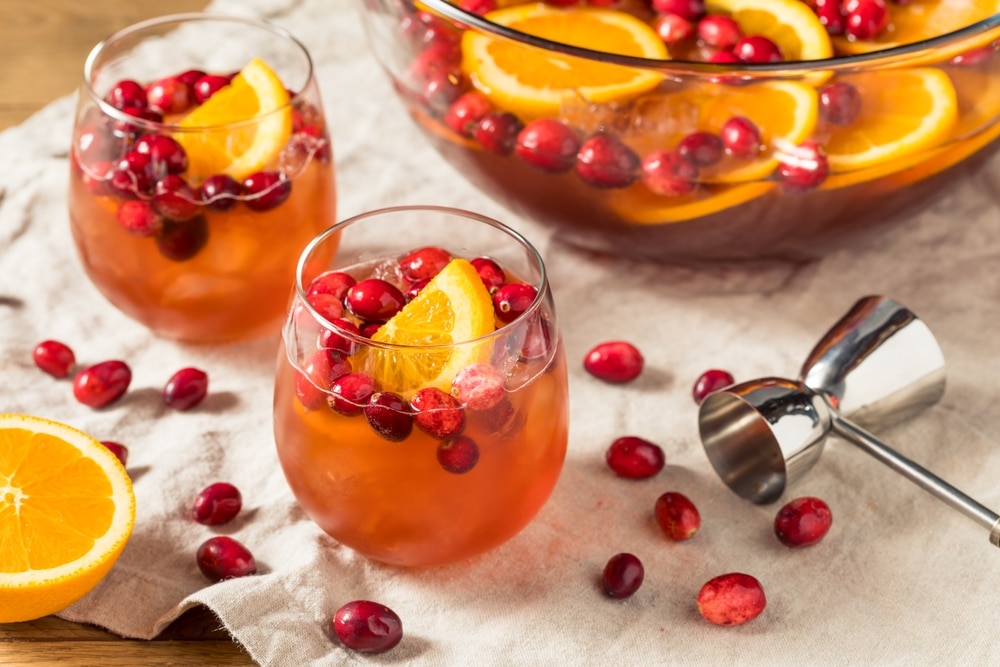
(900, 579)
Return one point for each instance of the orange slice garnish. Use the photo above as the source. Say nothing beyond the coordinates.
(66, 511)
(638, 205)
(532, 82)
(790, 24)
(918, 20)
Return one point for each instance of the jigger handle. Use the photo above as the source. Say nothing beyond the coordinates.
(919, 475)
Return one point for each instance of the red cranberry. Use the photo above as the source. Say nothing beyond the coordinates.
(190, 77)
(334, 283)
(375, 300)
(677, 516)
(437, 413)
(498, 419)
(423, 263)
(673, 28)
(731, 599)
(222, 557)
(702, 149)
(132, 174)
(326, 306)
(441, 90)
(689, 9)
(318, 376)
(479, 387)
(216, 504)
(635, 458)
(139, 217)
(349, 393)
(974, 57)
(185, 389)
(208, 85)
(803, 167)
(53, 357)
(511, 300)
(867, 19)
(605, 162)
(124, 127)
(166, 154)
(709, 382)
(95, 144)
(174, 199)
(622, 575)
(458, 455)
(723, 58)
(95, 177)
(127, 93)
(718, 31)
(102, 384)
(667, 173)
(840, 103)
(464, 114)
(266, 190)
(414, 288)
(537, 342)
(741, 137)
(333, 339)
(548, 144)
(478, 7)
(757, 49)
(831, 16)
(440, 57)
(802, 522)
(490, 272)
(388, 415)
(220, 192)
(497, 132)
(170, 96)
(119, 450)
(367, 627)
(180, 241)
(368, 329)
(614, 361)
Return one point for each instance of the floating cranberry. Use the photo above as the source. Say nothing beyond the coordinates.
(635, 458)
(478, 7)
(689, 9)
(368, 329)
(803, 167)
(622, 575)
(702, 149)
(423, 263)
(95, 144)
(174, 199)
(757, 49)
(537, 342)
(497, 132)
(127, 128)
(375, 300)
(718, 31)
(180, 241)
(497, 420)
(170, 96)
(414, 288)
(464, 114)
(127, 94)
(350, 393)
(95, 177)
(511, 300)
(208, 85)
(102, 384)
(677, 516)
(132, 175)
(709, 382)
(166, 154)
(139, 217)
(222, 557)
(190, 77)
(673, 28)
(479, 387)
(216, 504)
(119, 450)
(335, 283)
(185, 389)
(741, 137)
(490, 272)
(442, 89)
(367, 627)
(388, 415)
(840, 103)
(326, 306)
(266, 190)
(614, 361)
(831, 16)
(974, 57)
(866, 19)
(802, 522)
(318, 376)
(220, 192)
(548, 144)
(334, 339)
(440, 57)
(731, 599)
(53, 357)
(667, 173)
(605, 162)
(437, 413)
(458, 455)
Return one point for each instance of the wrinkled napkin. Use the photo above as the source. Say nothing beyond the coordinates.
(900, 579)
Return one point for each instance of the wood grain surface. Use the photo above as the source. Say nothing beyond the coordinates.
(43, 44)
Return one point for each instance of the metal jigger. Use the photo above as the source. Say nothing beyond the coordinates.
(879, 364)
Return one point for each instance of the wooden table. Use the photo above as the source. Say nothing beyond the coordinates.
(42, 49)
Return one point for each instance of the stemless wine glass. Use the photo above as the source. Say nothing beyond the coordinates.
(421, 472)
(201, 164)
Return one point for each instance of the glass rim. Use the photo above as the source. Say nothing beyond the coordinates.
(190, 17)
(796, 68)
(536, 305)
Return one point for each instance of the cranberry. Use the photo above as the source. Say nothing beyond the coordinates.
(537, 342)
(119, 450)
(180, 241)
(478, 7)
(458, 455)
(388, 415)
(139, 217)
(367, 627)
(95, 144)
(741, 137)
(831, 16)
(723, 58)
(709, 382)
(718, 31)
(702, 149)
(667, 173)
(327, 306)
(132, 174)
(166, 154)
(208, 85)
(53, 357)
(974, 57)
(634, 458)
(622, 575)
(266, 190)
(349, 393)
(479, 387)
(840, 103)
(614, 361)
(423, 263)
(689, 9)
(490, 272)
(437, 413)
(414, 288)
(334, 283)
(126, 128)
(757, 49)
(368, 329)
(497, 132)
(216, 504)
(673, 28)
(170, 96)
(440, 57)
(174, 199)
(375, 300)
(867, 19)
(802, 522)
(190, 77)
(511, 300)
(185, 389)
(333, 339)
(441, 90)
(677, 516)
(102, 384)
(318, 376)
(220, 192)
(127, 94)
(731, 599)
(464, 114)
(222, 557)
(605, 162)
(95, 177)
(548, 144)
(498, 419)
(803, 167)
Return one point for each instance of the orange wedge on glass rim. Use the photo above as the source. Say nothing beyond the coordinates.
(66, 512)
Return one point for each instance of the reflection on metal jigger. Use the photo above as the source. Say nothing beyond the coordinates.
(878, 364)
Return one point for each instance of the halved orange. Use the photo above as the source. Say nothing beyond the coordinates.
(638, 205)
(241, 128)
(435, 335)
(790, 24)
(532, 82)
(66, 512)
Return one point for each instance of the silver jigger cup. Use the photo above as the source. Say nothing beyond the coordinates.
(763, 435)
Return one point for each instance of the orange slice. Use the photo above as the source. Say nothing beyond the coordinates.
(532, 82)
(918, 20)
(790, 24)
(435, 335)
(638, 205)
(66, 511)
(241, 128)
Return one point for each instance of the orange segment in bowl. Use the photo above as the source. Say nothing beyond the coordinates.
(533, 82)
(790, 24)
(255, 104)
(66, 511)
(638, 205)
